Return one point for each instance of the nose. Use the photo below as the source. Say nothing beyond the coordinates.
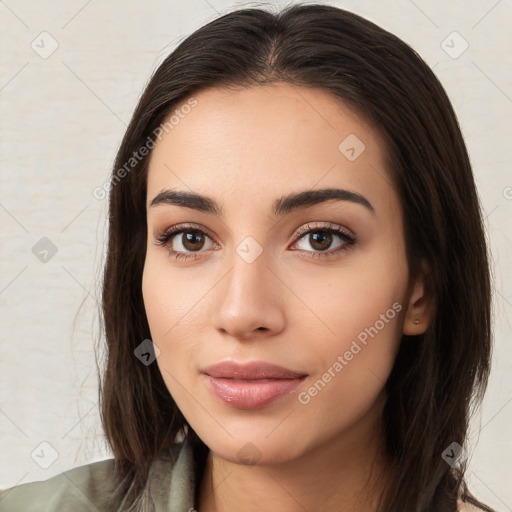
(250, 301)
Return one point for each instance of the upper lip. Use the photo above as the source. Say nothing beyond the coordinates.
(252, 370)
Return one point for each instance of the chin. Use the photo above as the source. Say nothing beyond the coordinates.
(253, 450)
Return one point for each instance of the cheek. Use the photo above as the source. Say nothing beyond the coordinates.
(172, 308)
(346, 301)
(171, 297)
(351, 369)
(361, 311)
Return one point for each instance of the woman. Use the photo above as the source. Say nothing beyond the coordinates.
(293, 226)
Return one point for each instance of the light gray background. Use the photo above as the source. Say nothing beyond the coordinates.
(62, 119)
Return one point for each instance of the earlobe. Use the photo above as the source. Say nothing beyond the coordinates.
(414, 328)
(419, 311)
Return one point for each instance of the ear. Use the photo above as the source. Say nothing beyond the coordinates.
(420, 309)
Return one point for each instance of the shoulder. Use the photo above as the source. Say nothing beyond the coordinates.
(84, 488)
(93, 487)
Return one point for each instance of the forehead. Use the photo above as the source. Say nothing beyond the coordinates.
(265, 140)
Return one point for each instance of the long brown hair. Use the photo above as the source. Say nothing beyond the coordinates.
(440, 376)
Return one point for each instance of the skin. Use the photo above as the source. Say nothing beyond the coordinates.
(245, 148)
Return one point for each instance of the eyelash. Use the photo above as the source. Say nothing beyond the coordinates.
(348, 239)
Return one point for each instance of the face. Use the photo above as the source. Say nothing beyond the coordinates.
(316, 285)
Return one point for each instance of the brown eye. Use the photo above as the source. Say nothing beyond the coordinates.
(323, 241)
(192, 240)
(185, 242)
(320, 240)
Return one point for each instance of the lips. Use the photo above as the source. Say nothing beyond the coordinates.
(252, 385)
(251, 371)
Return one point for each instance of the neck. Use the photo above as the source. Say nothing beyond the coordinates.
(342, 474)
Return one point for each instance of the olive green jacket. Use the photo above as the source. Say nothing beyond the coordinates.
(170, 488)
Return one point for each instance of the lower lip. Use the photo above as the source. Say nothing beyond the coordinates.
(251, 394)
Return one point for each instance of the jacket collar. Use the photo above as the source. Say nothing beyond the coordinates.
(172, 479)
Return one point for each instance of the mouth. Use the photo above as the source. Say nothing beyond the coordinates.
(255, 370)
(251, 386)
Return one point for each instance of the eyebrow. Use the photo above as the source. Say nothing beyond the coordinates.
(280, 207)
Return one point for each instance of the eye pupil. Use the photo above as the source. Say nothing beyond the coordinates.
(318, 239)
(190, 240)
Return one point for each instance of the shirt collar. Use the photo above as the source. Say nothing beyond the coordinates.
(172, 479)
